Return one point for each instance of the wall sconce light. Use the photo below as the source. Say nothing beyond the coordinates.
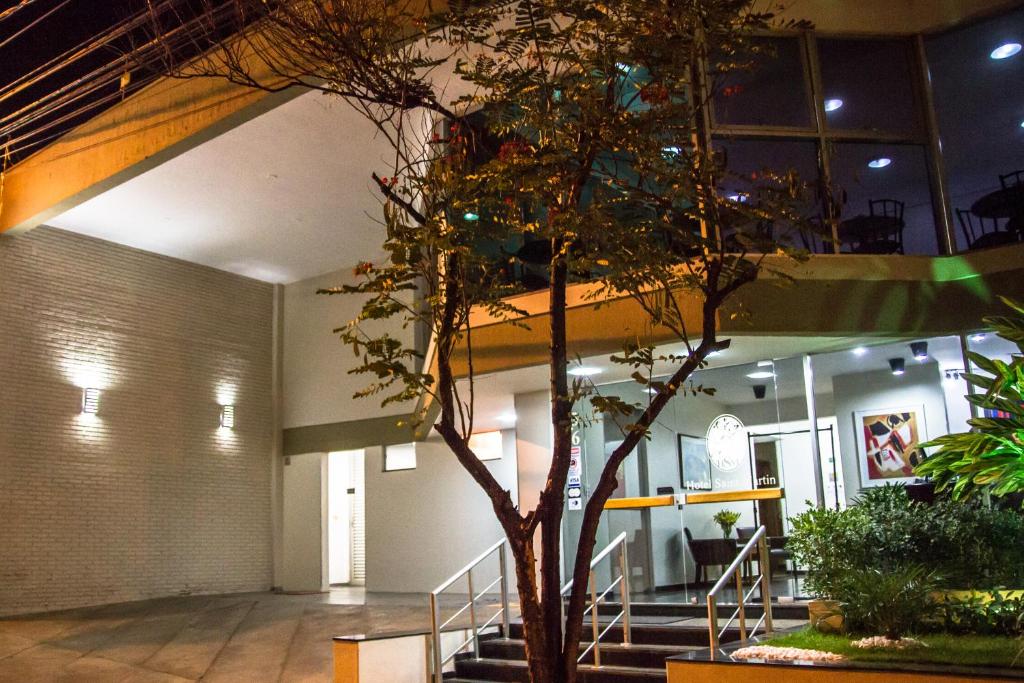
(897, 366)
(920, 350)
(759, 390)
(91, 401)
(227, 417)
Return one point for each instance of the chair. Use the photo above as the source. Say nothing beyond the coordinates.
(815, 241)
(777, 551)
(1012, 179)
(983, 232)
(743, 536)
(708, 552)
(888, 238)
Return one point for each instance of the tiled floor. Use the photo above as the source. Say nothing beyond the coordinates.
(250, 637)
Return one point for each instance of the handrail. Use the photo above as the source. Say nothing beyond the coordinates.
(764, 568)
(595, 599)
(437, 657)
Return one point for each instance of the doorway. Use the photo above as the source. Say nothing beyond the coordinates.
(346, 522)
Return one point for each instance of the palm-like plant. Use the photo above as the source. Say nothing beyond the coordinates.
(990, 457)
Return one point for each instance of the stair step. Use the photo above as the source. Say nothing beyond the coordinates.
(515, 671)
(654, 634)
(683, 610)
(612, 654)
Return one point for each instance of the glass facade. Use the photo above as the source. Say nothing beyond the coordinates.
(875, 404)
(981, 124)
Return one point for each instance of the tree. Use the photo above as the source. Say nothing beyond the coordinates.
(576, 125)
(990, 457)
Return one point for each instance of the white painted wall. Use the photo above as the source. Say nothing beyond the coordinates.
(317, 386)
(305, 531)
(880, 390)
(425, 524)
(533, 445)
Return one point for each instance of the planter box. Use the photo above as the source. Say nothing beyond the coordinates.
(699, 668)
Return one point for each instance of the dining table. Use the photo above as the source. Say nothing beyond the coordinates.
(864, 229)
(1007, 202)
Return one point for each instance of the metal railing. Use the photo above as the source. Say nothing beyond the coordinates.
(758, 542)
(439, 660)
(595, 600)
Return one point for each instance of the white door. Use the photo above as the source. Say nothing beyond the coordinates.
(346, 538)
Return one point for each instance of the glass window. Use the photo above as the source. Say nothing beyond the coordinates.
(773, 93)
(886, 399)
(981, 123)
(868, 85)
(888, 204)
(400, 457)
(747, 158)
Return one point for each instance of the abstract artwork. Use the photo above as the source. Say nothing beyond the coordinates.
(889, 444)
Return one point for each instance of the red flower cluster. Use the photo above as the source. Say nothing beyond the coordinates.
(654, 93)
(363, 268)
(512, 149)
(732, 90)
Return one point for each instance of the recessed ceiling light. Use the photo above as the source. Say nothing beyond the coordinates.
(761, 374)
(584, 371)
(979, 337)
(712, 354)
(765, 363)
(897, 365)
(920, 350)
(509, 417)
(859, 351)
(833, 104)
(880, 162)
(1005, 50)
(470, 216)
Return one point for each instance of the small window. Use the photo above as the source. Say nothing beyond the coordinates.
(400, 457)
(486, 445)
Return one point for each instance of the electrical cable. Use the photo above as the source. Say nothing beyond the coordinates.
(83, 49)
(87, 83)
(37, 20)
(11, 10)
(179, 38)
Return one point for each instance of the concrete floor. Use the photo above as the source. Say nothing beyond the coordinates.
(250, 637)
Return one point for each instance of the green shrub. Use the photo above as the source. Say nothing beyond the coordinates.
(890, 603)
(997, 615)
(967, 544)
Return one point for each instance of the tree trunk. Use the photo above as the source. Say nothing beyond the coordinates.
(540, 661)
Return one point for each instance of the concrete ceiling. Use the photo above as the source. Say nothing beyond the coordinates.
(280, 198)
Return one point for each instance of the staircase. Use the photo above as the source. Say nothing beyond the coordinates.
(635, 638)
(659, 631)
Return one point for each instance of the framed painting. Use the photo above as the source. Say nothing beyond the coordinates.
(889, 444)
(694, 464)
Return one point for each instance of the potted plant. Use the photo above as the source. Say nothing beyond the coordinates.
(727, 520)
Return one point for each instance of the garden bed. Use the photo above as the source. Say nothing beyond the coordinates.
(961, 650)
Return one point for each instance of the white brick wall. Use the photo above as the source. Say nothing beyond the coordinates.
(150, 497)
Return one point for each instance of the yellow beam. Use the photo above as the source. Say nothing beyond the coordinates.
(639, 503)
(734, 496)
